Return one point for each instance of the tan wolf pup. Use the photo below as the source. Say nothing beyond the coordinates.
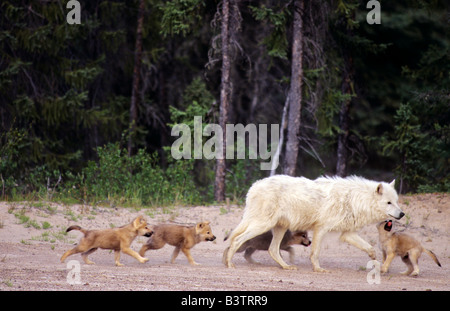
(262, 242)
(182, 237)
(400, 244)
(119, 239)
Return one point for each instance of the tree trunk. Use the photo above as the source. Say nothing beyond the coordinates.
(225, 96)
(295, 92)
(344, 119)
(276, 156)
(342, 151)
(136, 78)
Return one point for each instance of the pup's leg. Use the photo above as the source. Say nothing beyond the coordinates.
(86, 259)
(152, 243)
(143, 249)
(385, 267)
(274, 248)
(134, 254)
(80, 248)
(414, 257)
(248, 255)
(175, 253)
(187, 252)
(319, 233)
(68, 253)
(117, 258)
(354, 239)
(409, 264)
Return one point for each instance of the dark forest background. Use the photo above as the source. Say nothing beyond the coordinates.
(86, 110)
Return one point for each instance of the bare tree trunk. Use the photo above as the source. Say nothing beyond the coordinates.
(295, 92)
(225, 96)
(136, 77)
(344, 119)
(276, 156)
(342, 151)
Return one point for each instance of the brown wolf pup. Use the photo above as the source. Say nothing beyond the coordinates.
(182, 237)
(262, 242)
(399, 244)
(118, 239)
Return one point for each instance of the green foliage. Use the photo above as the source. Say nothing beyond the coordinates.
(422, 132)
(65, 90)
(197, 101)
(180, 16)
(241, 175)
(137, 180)
(329, 112)
(276, 42)
(423, 153)
(11, 144)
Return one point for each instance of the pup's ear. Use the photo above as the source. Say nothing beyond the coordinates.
(198, 227)
(137, 221)
(380, 189)
(202, 224)
(388, 225)
(392, 184)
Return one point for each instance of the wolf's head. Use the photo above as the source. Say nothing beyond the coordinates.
(387, 200)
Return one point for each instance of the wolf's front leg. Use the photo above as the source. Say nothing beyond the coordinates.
(354, 239)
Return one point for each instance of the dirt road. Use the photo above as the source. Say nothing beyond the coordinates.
(32, 242)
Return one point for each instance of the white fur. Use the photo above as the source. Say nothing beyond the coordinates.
(326, 204)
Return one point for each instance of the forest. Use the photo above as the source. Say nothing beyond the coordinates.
(90, 92)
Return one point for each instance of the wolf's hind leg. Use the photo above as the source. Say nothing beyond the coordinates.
(274, 248)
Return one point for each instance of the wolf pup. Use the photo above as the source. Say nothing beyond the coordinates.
(118, 239)
(182, 237)
(408, 248)
(262, 242)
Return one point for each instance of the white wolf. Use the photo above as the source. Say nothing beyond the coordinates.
(326, 204)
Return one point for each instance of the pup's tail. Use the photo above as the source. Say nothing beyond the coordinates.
(76, 228)
(432, 255)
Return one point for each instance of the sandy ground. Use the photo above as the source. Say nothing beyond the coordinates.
(32, 242)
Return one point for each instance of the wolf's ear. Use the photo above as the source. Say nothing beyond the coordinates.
(392, 184)
(380, 189)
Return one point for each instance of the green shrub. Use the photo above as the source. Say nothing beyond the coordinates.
(137, 180)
